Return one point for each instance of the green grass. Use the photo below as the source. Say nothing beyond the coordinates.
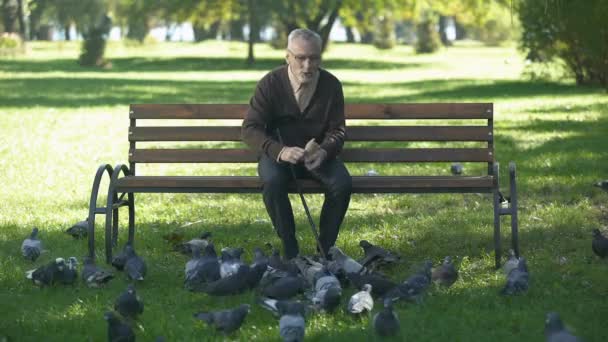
(58, 122)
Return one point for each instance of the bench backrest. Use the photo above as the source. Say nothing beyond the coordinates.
(439, 123)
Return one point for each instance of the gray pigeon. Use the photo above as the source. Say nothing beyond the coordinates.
(32, 246)
(226, 321)
(207, 269)
(344, 262)
(134, 265)
(69, 275)
(376, 255)
(517, 280)
(230, 261)
(386, 322)
(413, 287)
(119, 260)
(230, 285)
(446, 274)
(275, 261)
(186, 247)
(308, 268)
(291, 313)
(327, 292)
(95, 276)
(283, 287)
(48, 274)
(456, 169)
(555, 331)
(599, 244)
(80, 230)
(380, 284)
(361, 301)
(192, 264)
(257, 268)
(602, 185)
(511, 263)
(128, 304)
(117, 330)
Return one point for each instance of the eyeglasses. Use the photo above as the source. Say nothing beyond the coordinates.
(313, 59)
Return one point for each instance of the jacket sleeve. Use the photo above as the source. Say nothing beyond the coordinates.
(333, 140)
(254, 127)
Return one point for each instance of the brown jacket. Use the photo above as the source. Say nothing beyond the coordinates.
(274, 106)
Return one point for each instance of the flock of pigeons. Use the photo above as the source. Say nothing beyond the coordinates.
(318, 283)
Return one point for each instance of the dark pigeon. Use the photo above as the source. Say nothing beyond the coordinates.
(190, 270)
(69, 275)
(511, 263)
(361, 301)
(308, 267)
(413, 287)
(119, 260)
(230, 261)
(386, 322)
(257, 268)
(446, 274)
(95, 276)
(283, 286)
(80, 230)
(128, 304)
(207, 270)
(31, 247)
(602, 185)
(376, 255)
(599, 244)
(456, 169)
(555, 331)
(276, 262)
(517, 280)
(134, 266)
(380, 284)
(48, 274)
(230, 285)
(226, 321)
(344, 262)
(117, 330)
(186, 247)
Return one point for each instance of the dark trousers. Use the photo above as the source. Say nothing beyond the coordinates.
(336, 180)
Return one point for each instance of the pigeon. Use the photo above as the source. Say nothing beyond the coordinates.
(230, 285)
(277, 262)
(328, 291)
(230, 261)
(282, 307)
(69, 274)
(186, 247)
(128, 304)
(446, 274)
(48, 274)
(555, 330)
(386, 322)
(80, 230)
(517, 280)
(119, 260)
(344, 262)
(602, 185)
(376, 254)
(599, 244)
(292, 327)
(117, 330)
(134, 265)
(361, 301)
(282, 285)
(456, 169)
(308, 268)
(192, 264)
(380, 284)
(31, 246)
(511, 263)
(257, 268)
(226, 321)
(413, 287)
(94, 276)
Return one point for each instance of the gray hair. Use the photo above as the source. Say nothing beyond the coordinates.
(305, 34)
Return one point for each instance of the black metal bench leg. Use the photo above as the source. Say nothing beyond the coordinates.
(93, 205)
(110, 213)
(513, 194)
(497, 247)
(115, 222)
(131, 198)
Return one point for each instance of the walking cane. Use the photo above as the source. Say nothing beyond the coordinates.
(299, 189)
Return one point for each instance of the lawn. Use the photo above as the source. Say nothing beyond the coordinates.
(58, 122)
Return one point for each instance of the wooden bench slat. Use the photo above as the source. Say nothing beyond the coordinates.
(354, 133)
(248, 184)
(352, 110)
(234, 155)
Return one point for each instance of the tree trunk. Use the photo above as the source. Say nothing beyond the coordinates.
(236, 30)
(326, 29)
(66, 31)
(442, 31)
(9, 15)
(21, 19)
(252, 29)
(350, 35)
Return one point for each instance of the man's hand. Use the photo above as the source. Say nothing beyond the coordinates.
(313, 160)
(292, 154)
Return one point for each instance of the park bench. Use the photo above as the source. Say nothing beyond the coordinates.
(402, 124)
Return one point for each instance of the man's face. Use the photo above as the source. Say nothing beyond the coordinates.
(304, 58)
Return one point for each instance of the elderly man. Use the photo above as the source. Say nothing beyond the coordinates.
(295, 103)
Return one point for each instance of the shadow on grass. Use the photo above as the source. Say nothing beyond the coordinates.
(181, 64)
